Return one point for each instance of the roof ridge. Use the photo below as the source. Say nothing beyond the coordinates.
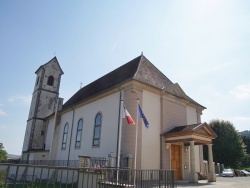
(139, 64)
(113, 78)
(43, 66)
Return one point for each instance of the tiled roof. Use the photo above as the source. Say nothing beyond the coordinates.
(140, 69)
(190, 129)
(116, 77)
(182, 128)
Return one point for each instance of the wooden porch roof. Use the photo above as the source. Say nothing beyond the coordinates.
(200, 133)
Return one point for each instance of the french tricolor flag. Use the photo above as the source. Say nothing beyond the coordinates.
(128, 117)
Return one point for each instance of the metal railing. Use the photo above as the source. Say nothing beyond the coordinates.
(94, 161)
(40, 176)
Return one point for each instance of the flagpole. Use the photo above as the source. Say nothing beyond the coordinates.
(119, 140)
(136, 133)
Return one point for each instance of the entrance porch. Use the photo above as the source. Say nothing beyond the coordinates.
(185, 151)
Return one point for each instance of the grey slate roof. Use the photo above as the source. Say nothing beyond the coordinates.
(117, 76)
(140, 69)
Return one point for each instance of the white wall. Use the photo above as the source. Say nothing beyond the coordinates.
(191, 115)
(39, 156)
(151, 137)
(109, 108)
(49, 134)
(62, 154)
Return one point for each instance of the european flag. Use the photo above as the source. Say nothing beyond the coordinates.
(141, 115)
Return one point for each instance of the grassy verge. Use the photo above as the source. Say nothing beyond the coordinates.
(43, 185)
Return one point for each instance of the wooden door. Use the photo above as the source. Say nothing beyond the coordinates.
(176, 160)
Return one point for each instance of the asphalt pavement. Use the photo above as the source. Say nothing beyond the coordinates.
(237, 182)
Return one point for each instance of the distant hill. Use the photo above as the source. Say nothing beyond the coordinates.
(13, 157)
(245, 133)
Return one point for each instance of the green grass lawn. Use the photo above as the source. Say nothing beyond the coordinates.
(43, 185)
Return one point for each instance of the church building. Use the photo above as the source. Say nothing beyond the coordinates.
(88, 124)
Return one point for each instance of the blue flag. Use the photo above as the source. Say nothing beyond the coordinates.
(141, 115)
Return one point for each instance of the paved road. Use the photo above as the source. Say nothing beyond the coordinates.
(237, 182)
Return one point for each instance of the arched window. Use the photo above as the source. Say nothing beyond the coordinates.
(65, 134)
(97, 130)
(50, 81)
(79, 134)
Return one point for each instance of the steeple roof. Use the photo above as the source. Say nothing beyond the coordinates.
(44, 65)
(140, 69)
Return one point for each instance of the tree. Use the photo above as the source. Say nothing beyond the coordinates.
(3, 153)
(228, 147)
(246, 140)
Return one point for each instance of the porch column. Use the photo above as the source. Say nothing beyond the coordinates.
(193, 176)
(211, 174)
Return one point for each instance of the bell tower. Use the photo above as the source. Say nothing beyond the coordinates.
(43, 104)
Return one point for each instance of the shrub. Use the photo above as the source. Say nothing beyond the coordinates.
(2, 177)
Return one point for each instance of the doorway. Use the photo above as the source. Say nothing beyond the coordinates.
(176, 160)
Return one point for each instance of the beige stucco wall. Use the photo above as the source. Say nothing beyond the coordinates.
(197, 158)
(150, 157)
(174, 114)
(185, 162)
(129, 131)
(191, 115)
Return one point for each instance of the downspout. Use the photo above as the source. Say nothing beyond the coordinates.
(117, 146)
(161, 151)
(71, 134)
(161, 135)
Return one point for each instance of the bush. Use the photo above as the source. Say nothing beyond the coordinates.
(2, 177)
(202, 176)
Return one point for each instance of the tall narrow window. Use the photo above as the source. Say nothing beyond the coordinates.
(50, 81)
(97, 130)
(37, 80)
(79, 134)
(65, 134)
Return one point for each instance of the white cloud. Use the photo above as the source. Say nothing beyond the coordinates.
(240, 122)
(19, 99)
(2, 112)
(241, 92)
(241, 118)
(200, 9)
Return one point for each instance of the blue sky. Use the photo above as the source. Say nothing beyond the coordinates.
(203, 45)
